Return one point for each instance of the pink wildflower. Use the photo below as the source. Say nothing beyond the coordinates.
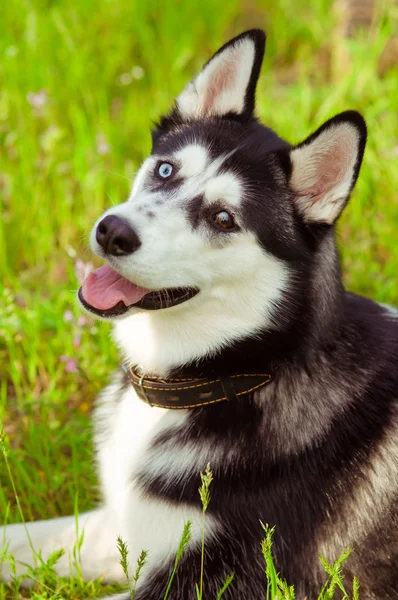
(68, 316)
(103, 146)
(37, 99)
(82, 269)
(71, 366)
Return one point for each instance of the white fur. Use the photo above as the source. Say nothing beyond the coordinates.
(193, 160)
(157, 526)
(221, 86)
(225, 187)
(391, 310)
(148, 523)
(98, 555)
(122, 452)
(323, 171)
(179, 460)
(115, 597)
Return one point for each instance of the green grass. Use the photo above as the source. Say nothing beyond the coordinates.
(108, 69)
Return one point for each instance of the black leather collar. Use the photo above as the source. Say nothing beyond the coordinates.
(192, 393)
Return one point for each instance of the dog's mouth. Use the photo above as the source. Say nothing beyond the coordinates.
(108, 294)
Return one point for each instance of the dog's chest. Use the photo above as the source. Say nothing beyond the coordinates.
(126, 448)
(130, 428)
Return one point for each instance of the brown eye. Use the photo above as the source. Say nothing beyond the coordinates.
(223, 220)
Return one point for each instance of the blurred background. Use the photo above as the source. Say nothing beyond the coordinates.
(81, 84)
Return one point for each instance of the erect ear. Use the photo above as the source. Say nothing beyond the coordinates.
(325, 167)
(227, 82)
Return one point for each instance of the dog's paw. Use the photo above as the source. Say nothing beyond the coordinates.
(124, 596)
(15, 553)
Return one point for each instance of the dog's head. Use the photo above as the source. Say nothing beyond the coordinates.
(224, 217)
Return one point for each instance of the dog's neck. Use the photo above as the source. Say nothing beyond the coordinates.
(194, 348)
(161, 345)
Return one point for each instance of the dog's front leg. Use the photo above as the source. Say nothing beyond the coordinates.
(89, 542)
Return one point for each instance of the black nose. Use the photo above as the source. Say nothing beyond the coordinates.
(116, 236)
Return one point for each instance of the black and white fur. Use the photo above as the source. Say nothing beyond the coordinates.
(316, 452)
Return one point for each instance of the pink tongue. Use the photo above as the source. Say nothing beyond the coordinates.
(104, 288)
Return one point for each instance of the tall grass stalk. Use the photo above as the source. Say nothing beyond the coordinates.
(185, 539)
(278, 589)
(5, 451)
(225, 586)
(141, 562)
(204, 493)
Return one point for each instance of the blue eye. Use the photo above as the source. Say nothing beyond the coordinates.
(165, 170)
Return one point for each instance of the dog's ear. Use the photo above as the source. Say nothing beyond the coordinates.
(227, 82)
(325, 167)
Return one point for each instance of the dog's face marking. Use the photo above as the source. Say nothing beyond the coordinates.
(181, 245)
(193, 159)
(227, 214)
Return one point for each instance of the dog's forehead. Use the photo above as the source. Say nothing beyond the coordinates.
(194, 148)
(192, 159)
(197, 160)
(217, 146)
(218, 137)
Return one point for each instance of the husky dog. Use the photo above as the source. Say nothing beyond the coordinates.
(222, 265)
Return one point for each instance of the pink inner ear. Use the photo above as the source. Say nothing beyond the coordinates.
(220, 81)
(330, 171)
